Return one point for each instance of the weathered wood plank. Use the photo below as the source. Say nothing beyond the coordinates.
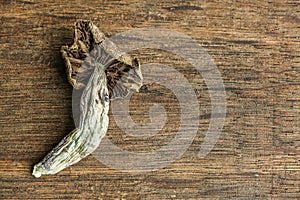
(255, 45)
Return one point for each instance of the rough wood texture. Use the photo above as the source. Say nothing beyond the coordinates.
(255, 44)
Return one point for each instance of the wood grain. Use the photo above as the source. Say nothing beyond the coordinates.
(255, 45)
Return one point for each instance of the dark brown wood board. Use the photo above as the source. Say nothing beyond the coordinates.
(254, 44)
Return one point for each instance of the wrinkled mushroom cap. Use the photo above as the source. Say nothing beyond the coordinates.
(90, 47)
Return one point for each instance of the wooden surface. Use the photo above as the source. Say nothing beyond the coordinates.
(255, 45)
